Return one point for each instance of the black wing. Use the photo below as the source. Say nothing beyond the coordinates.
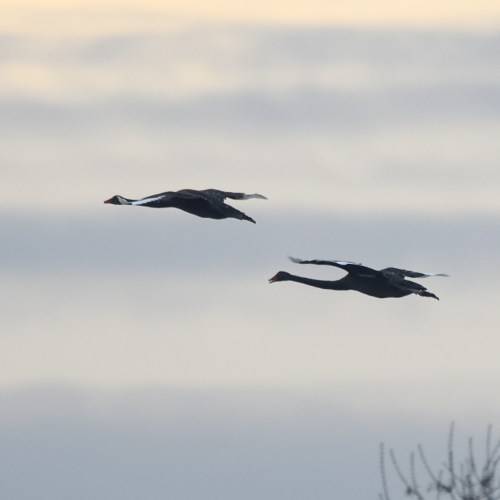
(220, 196)
(350, 267)
(214, 199)
(213, 196)
(394, 272)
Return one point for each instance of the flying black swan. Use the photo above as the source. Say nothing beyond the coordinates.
(389, 282)
(205, 203)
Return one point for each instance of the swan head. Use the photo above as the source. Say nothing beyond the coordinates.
(280, 276)
(117, 200)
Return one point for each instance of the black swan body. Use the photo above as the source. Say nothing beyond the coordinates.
(207, 203)
(389, 282)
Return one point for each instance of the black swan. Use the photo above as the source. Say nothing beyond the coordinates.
(389, 282)
(205, 203)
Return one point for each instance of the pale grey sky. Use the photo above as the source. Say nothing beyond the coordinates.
(382, 115)
(144, 355)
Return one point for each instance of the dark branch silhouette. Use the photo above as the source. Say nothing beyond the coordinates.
(467, 481)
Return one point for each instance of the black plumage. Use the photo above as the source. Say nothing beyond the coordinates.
(388, 282)
(207, 203)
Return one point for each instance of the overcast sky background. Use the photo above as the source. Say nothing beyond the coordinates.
(143, 353)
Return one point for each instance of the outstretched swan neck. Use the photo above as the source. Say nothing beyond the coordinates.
(327, 285)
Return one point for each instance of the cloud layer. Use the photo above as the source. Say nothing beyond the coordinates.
(309, 115)
(144, 353)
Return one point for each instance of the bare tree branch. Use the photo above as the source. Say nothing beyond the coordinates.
(467, 481)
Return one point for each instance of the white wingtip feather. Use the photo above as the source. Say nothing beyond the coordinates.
(255, 195)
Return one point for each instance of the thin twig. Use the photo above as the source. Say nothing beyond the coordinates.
(409, 489)
(385, 489)
(415, 487)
